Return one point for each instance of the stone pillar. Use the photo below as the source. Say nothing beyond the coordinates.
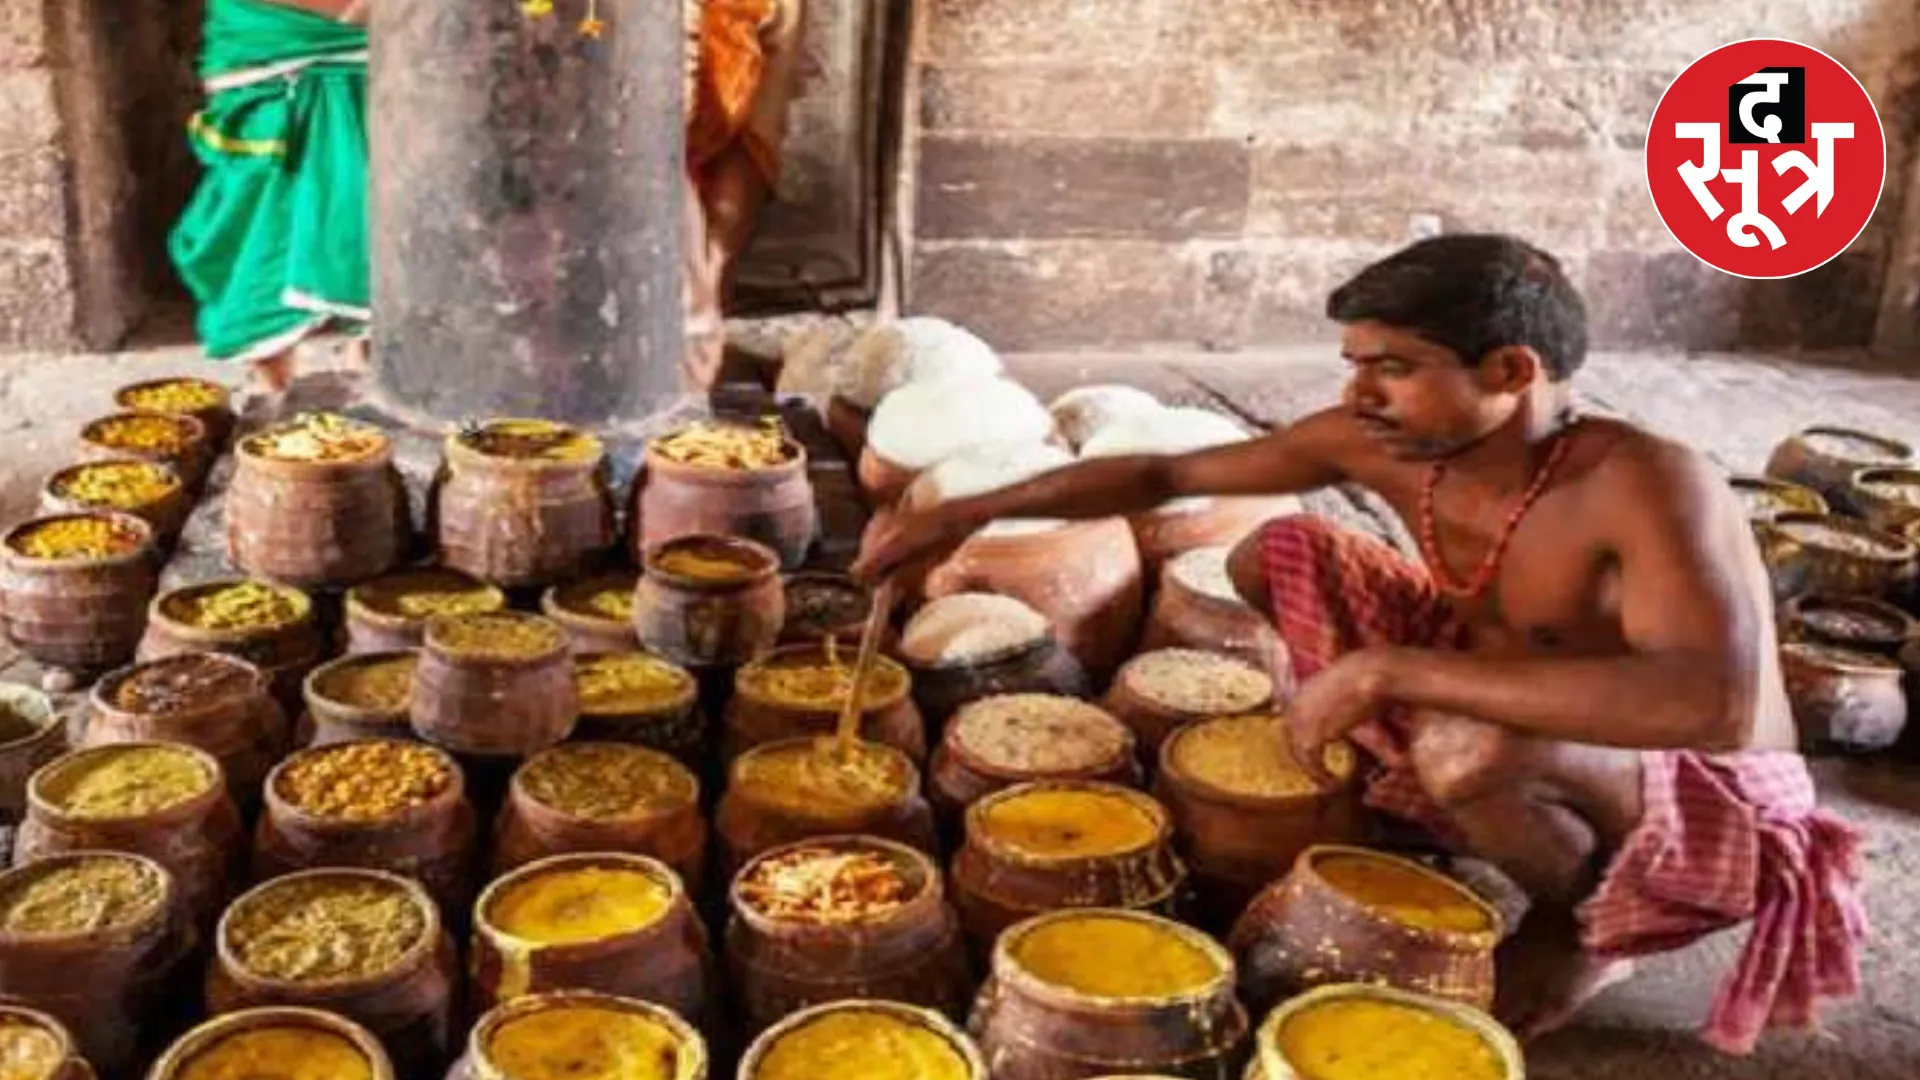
(527, 203)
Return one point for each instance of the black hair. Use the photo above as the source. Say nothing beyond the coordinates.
(1473, 293)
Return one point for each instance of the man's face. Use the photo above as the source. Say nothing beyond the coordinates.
(1419, 400)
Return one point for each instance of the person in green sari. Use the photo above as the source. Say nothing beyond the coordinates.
(273, 243)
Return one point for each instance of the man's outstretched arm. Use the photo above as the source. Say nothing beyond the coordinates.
(1300, 458)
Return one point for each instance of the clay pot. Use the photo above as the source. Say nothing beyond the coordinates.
(1808, 553)
(24, 752)
(432, 842)
(104, 984)
(408, 1007)
(1236, 841)
(671, 830)
(1887, 498)
(704, 622)
(516, 521)
(286, 651)
(223, 706)
(1270, 1062)
(330, 718)
(771, 506)
(1847, 622)
(1766, 498)
(316, 524)
(1825, 458)
(754, 818)
(1302, 932)
(478, 1063)
(1184, 615)
(1177, 528)
(752, 1066)
(216, 416)
(756, 715)
(847, 424)
(998, 742)
(188, 451)
(1148, 697)
(670, 723)
(911, 954)
(84, 615)
(666, 962)
(999, 880)
(491, 705)
(1033, 1029)
(1085, 577)
(1844, 701)
(198, 839)
(179, 1057)
(593, 630)
(166, 512)
(377, 621)
(822, 605)
(64, 1061)
(1038, 667)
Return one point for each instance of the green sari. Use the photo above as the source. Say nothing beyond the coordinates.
(273, 243)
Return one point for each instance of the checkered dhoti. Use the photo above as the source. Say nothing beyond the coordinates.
(1722, 840)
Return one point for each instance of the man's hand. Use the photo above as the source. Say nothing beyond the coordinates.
(897, 538)
(1343, 695)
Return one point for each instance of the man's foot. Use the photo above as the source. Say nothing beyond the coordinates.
(1544, 976)
(274, 374)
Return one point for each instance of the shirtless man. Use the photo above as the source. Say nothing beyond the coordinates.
(1581, 686)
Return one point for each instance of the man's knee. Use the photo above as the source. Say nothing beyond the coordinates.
(1460, 760)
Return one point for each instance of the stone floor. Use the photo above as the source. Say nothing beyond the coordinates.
(1733, 407)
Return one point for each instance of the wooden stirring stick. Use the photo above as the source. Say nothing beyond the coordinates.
(882, 609)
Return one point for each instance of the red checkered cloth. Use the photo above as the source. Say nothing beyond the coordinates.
(1722, 840)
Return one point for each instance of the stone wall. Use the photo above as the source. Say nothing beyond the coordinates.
(1097, 173)
(89, 93)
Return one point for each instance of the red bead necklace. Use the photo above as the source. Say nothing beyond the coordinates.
(1489, 568)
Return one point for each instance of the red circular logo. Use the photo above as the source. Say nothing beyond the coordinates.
(1766, 158)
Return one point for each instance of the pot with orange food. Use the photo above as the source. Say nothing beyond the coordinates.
(799, 789)
(280, 1043)
(718, 477)
(839, 918)
(582, 797)
(1348, 914)
(580, 1035)
(522, 503)
(799, 690)
(74, 588)
(1355, 1031)
(38, 1046)
(639, 698)
(863, 1038)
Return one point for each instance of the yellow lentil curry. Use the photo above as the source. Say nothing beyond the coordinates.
(569, 904)
(508, 635)
(1410, 896)
(421, 594)
(588, 1042)
(628, 682)
(607, 597)
(1377, 1039)
(821, 681)
(325, 928)
(1247, 755)
(93, 892)
(530, 440)
(607, 781)
(235, 605)
(173, 396)
(78, 536)
(146, 433)
(1068, 823)
(1113, 956)
(317, 437)
(124, 781)
(117, 485)
(814, 778)
(377, 683)
(717, 445)
(862, 1044)
(364, 781)
(279, 1052)
(27, 1050)
(707, 560)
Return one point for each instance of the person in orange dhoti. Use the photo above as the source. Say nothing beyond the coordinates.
(742, 69)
